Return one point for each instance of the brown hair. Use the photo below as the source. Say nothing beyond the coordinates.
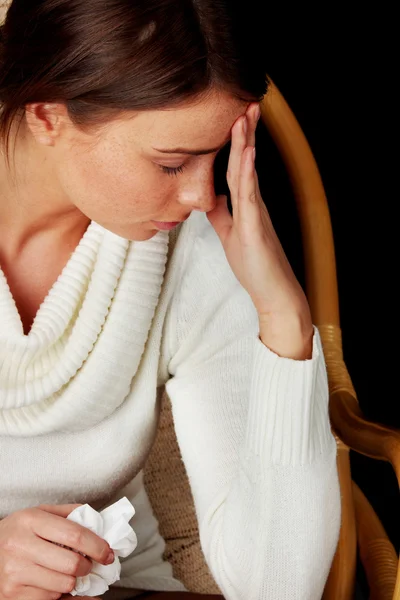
(102, 57)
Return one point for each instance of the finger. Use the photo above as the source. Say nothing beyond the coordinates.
(252, 115)
(47, 580)
(265, 216)
(249, 206)
(50, 556)
(62, 510)
(238, 144)
(62, 531)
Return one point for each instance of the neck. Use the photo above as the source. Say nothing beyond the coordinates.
(31, 199)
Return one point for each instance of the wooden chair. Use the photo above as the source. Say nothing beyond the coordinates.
(360, 524)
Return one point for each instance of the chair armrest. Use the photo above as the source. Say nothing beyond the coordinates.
(377, 554)
(348, 422)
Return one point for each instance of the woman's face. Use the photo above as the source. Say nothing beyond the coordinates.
(122, 178)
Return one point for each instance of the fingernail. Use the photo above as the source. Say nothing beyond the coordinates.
(257, 114)
(245, 125)
(110, 558)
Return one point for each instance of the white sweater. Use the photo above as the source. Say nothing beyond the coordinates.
(78, 411)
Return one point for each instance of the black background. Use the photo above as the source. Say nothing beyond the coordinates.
(337, 71)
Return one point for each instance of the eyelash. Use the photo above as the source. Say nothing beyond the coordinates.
(172, 170)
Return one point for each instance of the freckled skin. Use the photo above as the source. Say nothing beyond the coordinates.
(114, 177)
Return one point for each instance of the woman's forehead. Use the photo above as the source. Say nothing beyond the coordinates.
(206, 121)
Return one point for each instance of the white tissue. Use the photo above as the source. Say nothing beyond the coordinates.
(111, 524)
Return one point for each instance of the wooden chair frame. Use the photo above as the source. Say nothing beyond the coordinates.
(360, 524)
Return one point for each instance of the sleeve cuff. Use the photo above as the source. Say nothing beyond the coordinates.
(288, 420)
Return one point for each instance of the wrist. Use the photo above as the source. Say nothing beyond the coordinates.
(288, 334)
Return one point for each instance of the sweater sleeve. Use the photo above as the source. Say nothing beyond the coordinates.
(254, 433)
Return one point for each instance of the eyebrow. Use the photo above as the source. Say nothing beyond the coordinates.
(193, 152)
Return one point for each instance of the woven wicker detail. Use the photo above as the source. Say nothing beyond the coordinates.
(168, 488)
(383, 563)
(338, 376)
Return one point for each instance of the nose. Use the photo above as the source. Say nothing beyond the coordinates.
(198, 193)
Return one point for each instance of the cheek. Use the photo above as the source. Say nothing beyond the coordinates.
(110, 186)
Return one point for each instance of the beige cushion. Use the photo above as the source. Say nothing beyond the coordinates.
(169, 491)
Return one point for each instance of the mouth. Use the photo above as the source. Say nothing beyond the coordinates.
(164, 225)
(168, 224)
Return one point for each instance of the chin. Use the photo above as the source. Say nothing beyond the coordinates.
(136, 233)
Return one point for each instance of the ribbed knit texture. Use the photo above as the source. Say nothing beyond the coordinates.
(78, 411)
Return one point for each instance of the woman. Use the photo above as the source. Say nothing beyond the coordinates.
(112, 116)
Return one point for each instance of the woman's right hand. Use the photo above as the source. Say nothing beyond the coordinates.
(33, 568)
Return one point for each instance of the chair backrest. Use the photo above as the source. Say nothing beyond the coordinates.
(359, 521)
(322, 294)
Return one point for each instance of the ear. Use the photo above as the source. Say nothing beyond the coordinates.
(45, 120)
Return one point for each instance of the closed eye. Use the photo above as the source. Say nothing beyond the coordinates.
(176, 170)
(172, 170)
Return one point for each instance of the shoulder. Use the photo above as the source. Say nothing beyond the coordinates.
(206, 289)
(207, 303)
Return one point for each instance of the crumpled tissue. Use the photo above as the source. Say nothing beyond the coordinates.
(111, 524)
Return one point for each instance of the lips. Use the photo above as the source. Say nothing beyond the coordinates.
(165, 225)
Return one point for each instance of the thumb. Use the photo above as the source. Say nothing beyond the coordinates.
(62, 510)
(220, 217)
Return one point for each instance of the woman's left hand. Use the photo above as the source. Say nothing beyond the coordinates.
(254, 252)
